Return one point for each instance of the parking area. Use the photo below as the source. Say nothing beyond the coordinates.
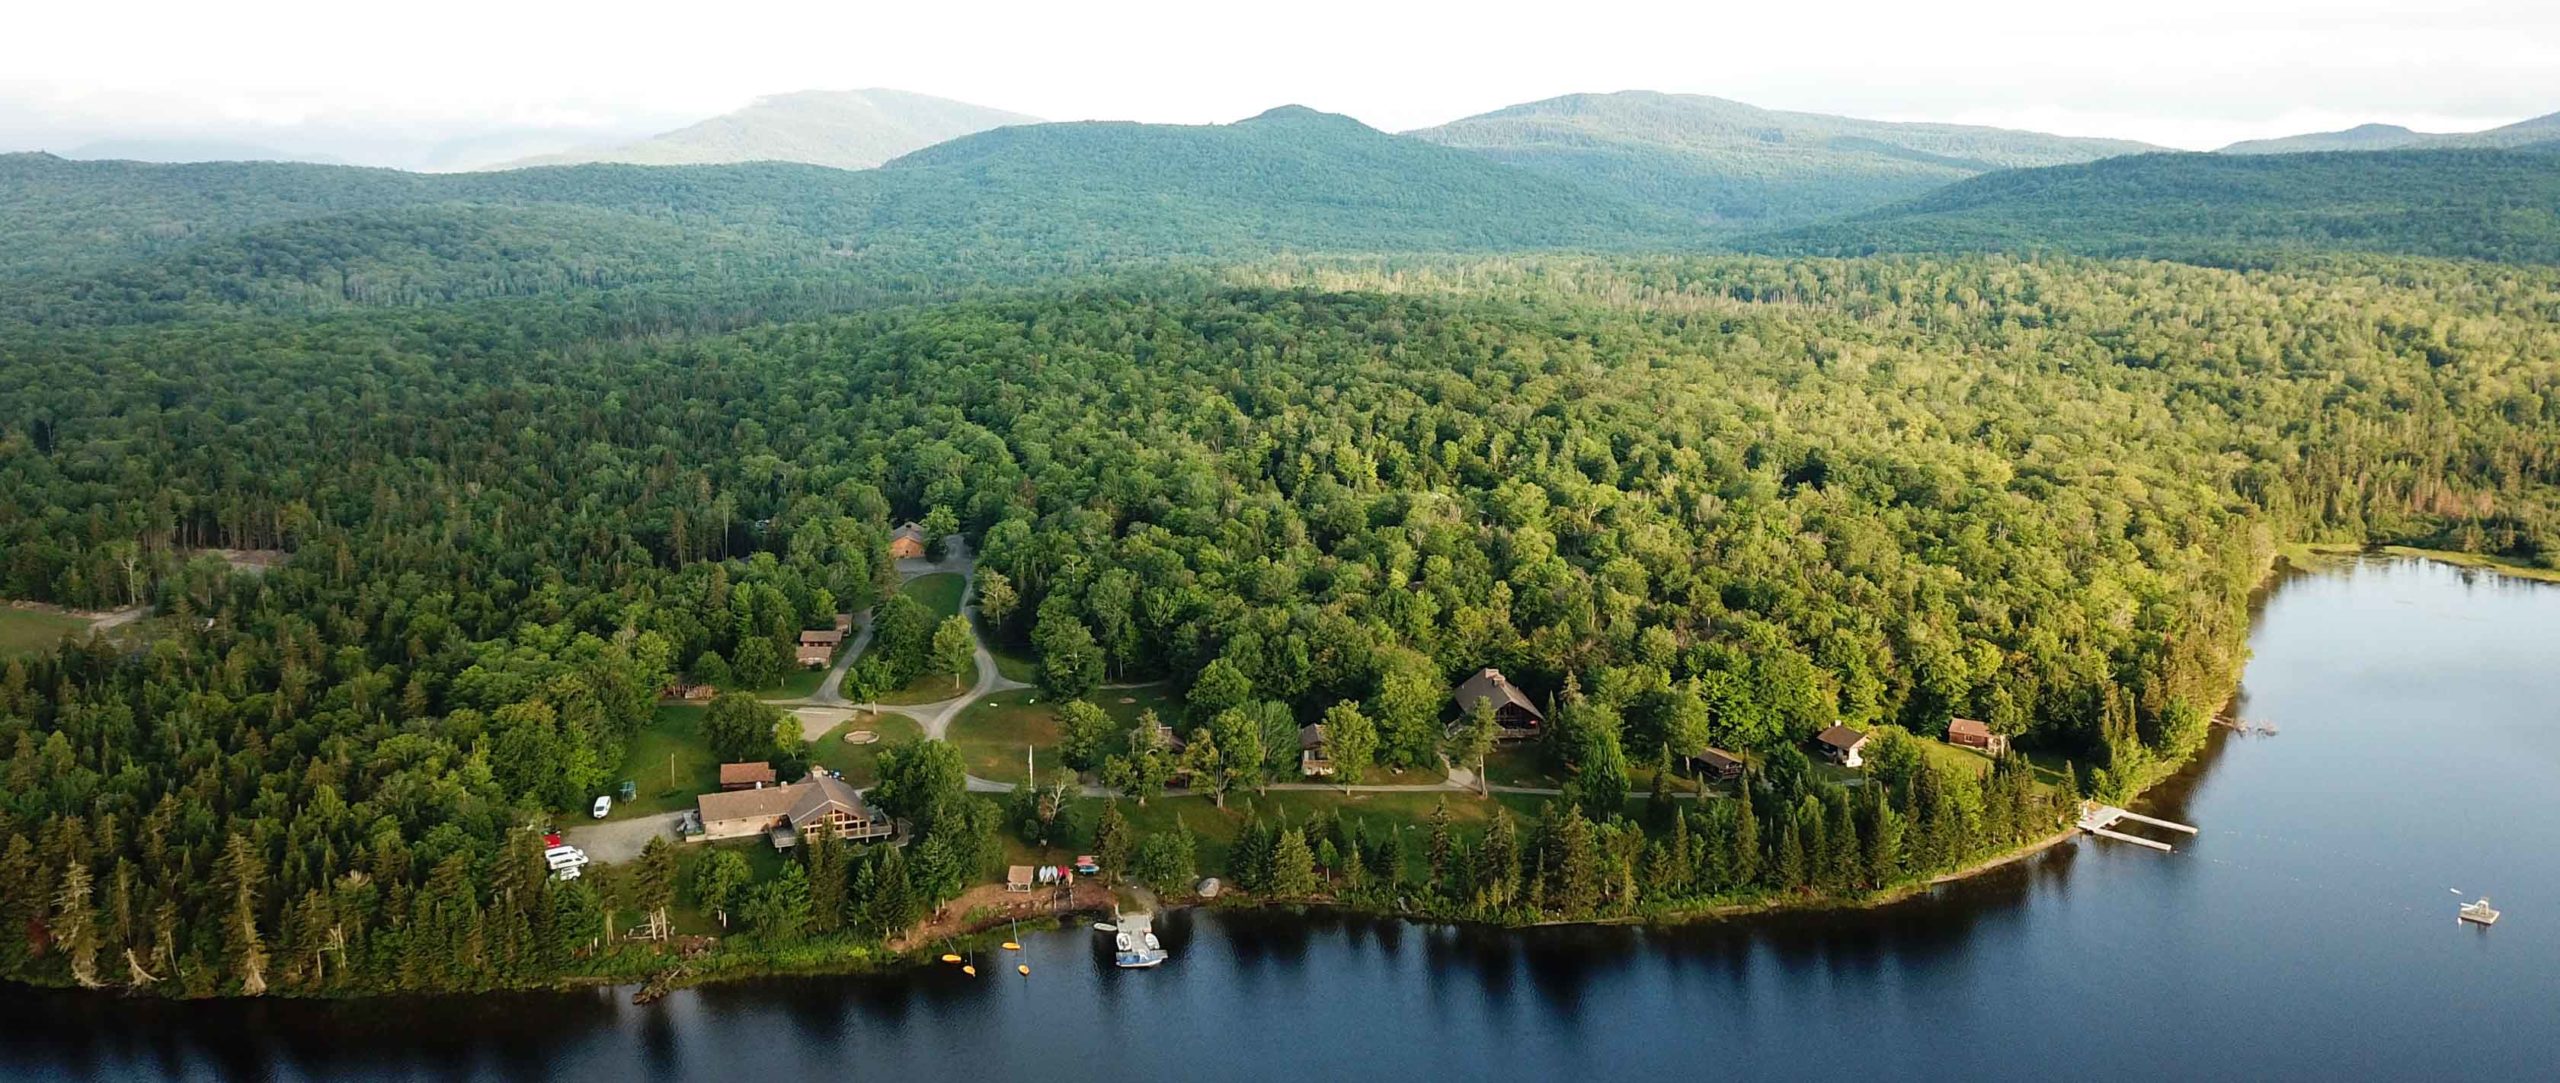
(620, 840)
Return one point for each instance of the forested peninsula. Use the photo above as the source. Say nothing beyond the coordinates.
(1682, 503)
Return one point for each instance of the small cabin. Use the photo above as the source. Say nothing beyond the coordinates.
(821, 637)
(1018, 877)
(1314, 761)
(816, 655)
(1969, 733)
(1514, 717)
(1841, 745)
(1717, 765)
(907, 542)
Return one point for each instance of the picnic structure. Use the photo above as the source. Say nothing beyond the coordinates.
(907, 542)
(689, 691)
(1969, 733)
(1841, 745)
(746, 776)
(820, 805)
(1514, 717)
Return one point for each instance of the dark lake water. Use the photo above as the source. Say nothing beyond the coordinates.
(2308, 933)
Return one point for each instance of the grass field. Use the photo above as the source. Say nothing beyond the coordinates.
(939, 592)
(1012, 666)
(860, 764)
(931, 688)
(796, 683)
(30, 631)
(992, 732)
(675, 733)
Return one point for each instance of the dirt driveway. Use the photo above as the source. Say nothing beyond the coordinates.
(617, 841)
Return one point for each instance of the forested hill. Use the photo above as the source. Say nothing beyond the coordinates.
(97, 242)
(1291, 177)
(2475, 204)
(1738, 166)
(2523, 133)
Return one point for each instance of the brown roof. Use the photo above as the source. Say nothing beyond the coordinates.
(1017, 875)
(908, 531)
(1968, 727)
(800, 801)
(1719, 758)
(761, 804)
(820, 636)
(1842, 737)
(818, 793)
(746, 774)
(816, 652)
(1489, 683)
(1311, 737)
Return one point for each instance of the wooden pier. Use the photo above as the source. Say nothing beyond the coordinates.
(2100, 820)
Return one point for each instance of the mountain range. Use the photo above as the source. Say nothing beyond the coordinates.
(2487, 204)
(1731, 165)
(2540, 129)
(845, 129)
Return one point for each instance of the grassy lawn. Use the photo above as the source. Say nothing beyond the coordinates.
(939, 592)
(931, 688)
(796, 683)
(1124, 705)
(31, 631)
(1010, 665)
(675, 733)
(992, 732)
(860, 764)
(1518, 765)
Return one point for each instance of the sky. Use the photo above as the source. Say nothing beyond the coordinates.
(378, 81)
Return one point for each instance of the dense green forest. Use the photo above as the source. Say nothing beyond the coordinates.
(1682, 501)
(2469, 204)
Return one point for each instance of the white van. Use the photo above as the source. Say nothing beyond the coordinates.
(562, 857)
(604, 804)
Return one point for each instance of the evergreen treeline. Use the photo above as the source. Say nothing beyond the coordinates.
(2468, 204)
(1784, 832)
(1681, 502)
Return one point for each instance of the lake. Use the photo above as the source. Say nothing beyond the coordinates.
(2308, 932)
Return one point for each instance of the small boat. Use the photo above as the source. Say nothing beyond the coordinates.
(2477, 912)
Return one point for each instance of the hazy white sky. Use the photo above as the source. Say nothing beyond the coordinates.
(2189, 73)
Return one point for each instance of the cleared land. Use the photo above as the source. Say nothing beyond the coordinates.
(860, 764)
(31, 631)
(669, 761)
(991, 733)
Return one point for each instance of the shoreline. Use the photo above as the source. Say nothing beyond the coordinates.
(2299, 556)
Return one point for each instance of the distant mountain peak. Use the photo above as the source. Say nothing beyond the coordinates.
(1298, 114)
(845, 129)
(1731, 163)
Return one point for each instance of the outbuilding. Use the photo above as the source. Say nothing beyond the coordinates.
(1841, 745)
(1969, 733)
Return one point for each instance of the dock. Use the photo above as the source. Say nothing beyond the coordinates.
(2100, 820)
